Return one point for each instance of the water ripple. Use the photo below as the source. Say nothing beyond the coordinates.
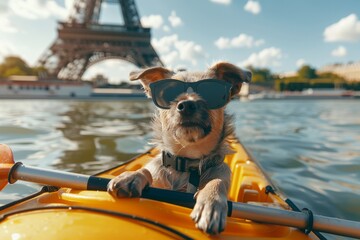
(311, 149)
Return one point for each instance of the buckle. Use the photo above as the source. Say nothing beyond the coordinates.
(181, 164)
(167, 160)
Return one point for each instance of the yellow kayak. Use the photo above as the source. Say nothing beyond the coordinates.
(65, 213)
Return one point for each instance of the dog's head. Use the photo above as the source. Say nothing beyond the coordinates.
(192, 104)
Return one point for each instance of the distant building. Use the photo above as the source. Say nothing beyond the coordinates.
(99, 80)
(31, 88)
(23, 78)
(350, 71)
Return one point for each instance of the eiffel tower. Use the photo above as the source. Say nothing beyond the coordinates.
(82, 41)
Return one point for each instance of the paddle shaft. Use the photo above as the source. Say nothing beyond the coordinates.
(238, 210)
(56, 178)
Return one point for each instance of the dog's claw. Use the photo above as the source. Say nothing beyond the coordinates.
(134, 188)
(122, 193)
(209, 214)
(196, 213)
(129, 184)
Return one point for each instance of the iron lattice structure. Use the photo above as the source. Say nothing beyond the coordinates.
(82, 41)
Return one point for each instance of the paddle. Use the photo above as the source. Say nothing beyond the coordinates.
(6, 162)
(17, 171)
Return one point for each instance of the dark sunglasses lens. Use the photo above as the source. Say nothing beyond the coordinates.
(165, 92)
(216, 94)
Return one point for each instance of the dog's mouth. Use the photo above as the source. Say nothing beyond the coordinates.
(196, 125)
(192, 127)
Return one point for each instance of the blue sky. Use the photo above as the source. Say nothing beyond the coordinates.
(277, 34)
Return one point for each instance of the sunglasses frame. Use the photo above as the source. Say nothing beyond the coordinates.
(187, 85)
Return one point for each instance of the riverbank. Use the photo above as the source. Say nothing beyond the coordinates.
(309, 94)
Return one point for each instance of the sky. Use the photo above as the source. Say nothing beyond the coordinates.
(281, 35)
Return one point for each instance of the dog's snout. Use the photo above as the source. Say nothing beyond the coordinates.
(186, 107)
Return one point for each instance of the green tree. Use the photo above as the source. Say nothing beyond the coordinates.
(329, 75)
(261, 75)
(14, 71)
(40, 71)
(307, 72)
(13, 65)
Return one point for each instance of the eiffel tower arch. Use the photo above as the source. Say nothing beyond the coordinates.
(82, 41)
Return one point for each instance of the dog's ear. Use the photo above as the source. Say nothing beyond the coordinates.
(150, 75)
(232, 74)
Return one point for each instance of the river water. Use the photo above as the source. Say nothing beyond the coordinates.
(309, 148)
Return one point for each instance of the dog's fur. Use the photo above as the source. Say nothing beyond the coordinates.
(200, 136)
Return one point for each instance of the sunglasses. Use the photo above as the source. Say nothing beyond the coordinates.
(216, 93)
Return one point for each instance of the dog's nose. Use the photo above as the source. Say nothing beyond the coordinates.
(186, 107)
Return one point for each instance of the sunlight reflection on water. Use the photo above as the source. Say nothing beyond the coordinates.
(311, 149)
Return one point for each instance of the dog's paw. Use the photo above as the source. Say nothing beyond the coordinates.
(209, 213)
(130, 184)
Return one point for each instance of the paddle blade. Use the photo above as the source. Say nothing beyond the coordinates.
(6, 162)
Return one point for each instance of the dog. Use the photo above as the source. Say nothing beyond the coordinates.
(191, 128)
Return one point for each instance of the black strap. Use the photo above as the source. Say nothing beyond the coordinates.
(97, 183)
(269, 189)
(181, 164)
(310, 221)
(310, 218)
(194, 178)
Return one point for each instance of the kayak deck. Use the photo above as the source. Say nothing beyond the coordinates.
(69, 214)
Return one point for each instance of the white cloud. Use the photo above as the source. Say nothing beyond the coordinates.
(114, 69)
(31, 9)
(346, 29)
(253, 7)
(174, 20)
(222, 43)
(6, 48)
(224, 2)
(164, 44)
(166, 28)
(170, 58)
(37, 9)
(172, 50)
(4, 6)
(189, 51)
(339, 52)
(266, 58)
(300, 62)
(5, 24)
(242, 40)
(152, 21)
(69, 4)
